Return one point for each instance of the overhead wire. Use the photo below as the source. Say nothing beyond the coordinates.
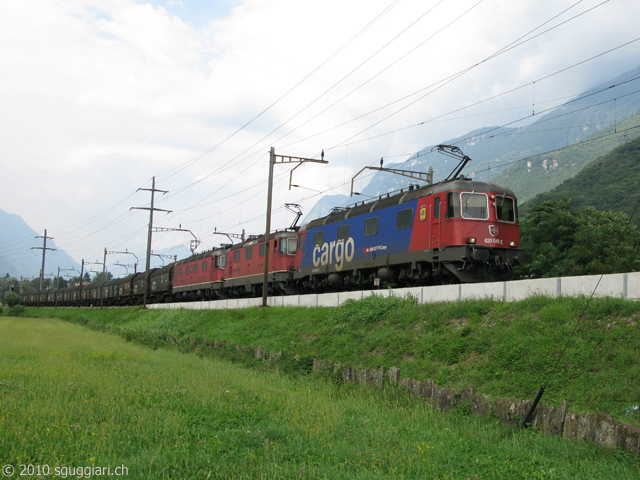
(372, 22)
(540, 112)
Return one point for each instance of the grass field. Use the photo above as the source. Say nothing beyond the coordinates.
(504, 349)
(74, 397)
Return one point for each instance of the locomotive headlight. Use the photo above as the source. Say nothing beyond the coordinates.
(472, 240)
(513, 244)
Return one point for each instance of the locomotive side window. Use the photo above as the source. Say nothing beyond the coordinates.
(436, 207)
(216, 262)
(194, 268)
(283, 246)
(318, 238)
(343, 232)
(248, 253)
(505, 209)
(371, 227)
(291, 246)
(186, 270)
(179, 274)
(404, 218)
(300, 241)
(223, 261)
(453, 205)
(475, 205)
(236, 256)
(261, 250)
(204, 266)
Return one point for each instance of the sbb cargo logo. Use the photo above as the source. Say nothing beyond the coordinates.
(377, 248)
(336, 252)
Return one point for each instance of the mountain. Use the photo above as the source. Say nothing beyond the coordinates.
(612, 182)
(16, 255)
(532, 159)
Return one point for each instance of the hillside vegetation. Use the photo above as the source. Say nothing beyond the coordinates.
(610, 183)
(544, 172)
(504, 349)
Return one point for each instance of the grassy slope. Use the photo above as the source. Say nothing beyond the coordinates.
(72, 397)
(504, 349)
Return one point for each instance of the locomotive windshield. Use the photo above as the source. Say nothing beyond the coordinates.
(475, 205)
(505, 209)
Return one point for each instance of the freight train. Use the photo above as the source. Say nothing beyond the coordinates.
(458, 230)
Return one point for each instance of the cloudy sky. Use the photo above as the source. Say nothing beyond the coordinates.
(99, 96)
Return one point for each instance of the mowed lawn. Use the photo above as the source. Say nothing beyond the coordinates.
(74, 397)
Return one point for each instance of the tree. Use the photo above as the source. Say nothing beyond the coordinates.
(98, 277)
(60, 282)
(566, 242)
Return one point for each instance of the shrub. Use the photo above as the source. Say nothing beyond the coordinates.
(15, 311)
(11, 299)
(367, 311)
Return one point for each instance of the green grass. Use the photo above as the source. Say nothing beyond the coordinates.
(504, 349)
(73, 397)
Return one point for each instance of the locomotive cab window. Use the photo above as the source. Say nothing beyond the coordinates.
(474, 205)
(300, 241)
(371, 227)
(223, 261)
(283, 246)
(436, 207)
(453, 205)
(505, 209)
(318, 238)
(404, 218)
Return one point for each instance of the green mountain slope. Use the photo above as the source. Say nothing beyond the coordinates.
(611, 182)
(534, 175)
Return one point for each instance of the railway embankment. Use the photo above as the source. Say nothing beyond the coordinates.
(485, 356)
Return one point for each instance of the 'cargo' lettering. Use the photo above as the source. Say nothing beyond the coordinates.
(339, 251)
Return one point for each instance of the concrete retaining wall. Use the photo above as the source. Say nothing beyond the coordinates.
(620, 285)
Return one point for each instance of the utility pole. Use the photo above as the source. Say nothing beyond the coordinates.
(81, 274)
(273, 160)
(96, 272)
(58, 280)
(151, 209)
(44, 251)
(104, 274)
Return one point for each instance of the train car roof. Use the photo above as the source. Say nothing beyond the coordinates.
(162, 270)
(406, 195)
(200, 256)
(256, 239)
